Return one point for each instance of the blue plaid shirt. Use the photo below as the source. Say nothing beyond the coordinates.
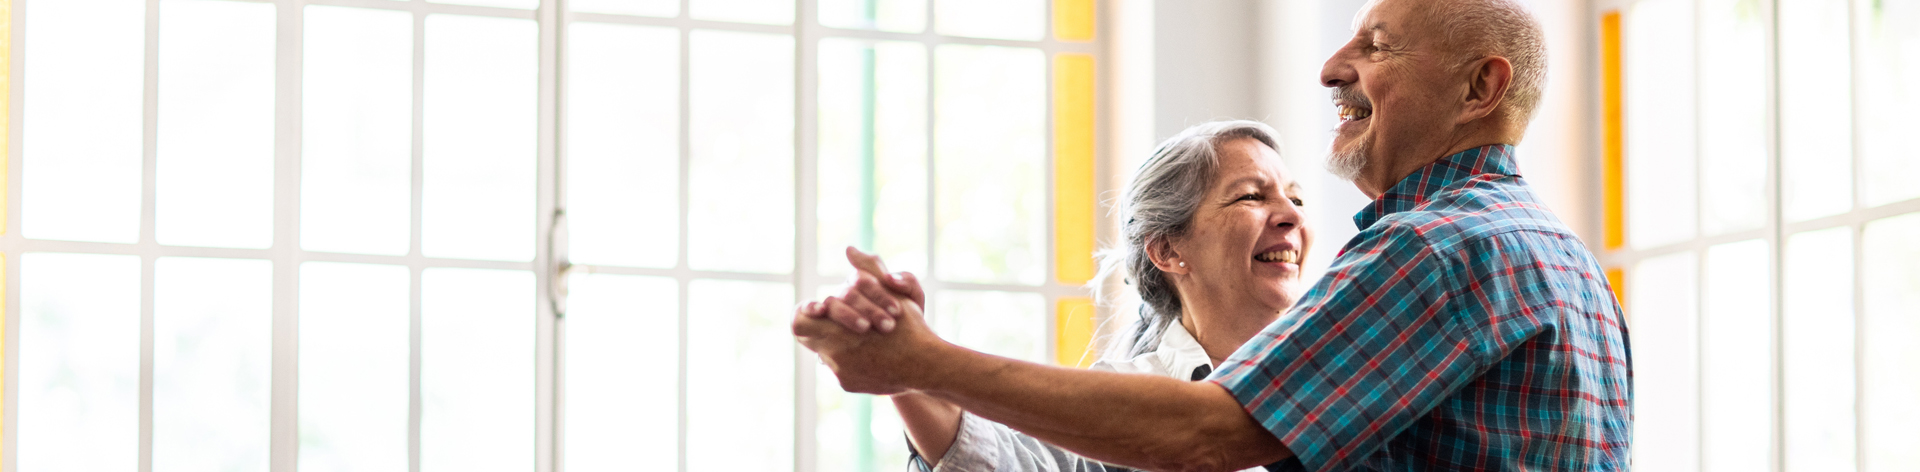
(1464, 328)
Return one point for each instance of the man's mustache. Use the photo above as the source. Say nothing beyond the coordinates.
(1351, 95)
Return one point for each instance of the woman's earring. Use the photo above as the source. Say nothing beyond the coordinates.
(1183, 264)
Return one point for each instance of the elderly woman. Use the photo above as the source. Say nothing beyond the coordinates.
(1214, 239)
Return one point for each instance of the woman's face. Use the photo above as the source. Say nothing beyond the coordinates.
(1249, 235)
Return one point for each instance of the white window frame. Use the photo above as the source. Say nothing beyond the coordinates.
(286, 256)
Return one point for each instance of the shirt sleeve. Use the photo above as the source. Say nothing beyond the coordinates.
(986, 446)
(1367, 351)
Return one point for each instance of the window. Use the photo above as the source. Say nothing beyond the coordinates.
(1766, 238)
(403, 235)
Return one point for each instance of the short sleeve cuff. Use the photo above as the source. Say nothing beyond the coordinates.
(973, 448)
(1309, 449)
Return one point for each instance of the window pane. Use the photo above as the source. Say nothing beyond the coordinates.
(476, 370)
(666, 8)
(1002, 19)
(1817, 340)
(742, 197)
(873, 153)
(355, 326)
(772, 12)
(1661, 186)
(1738, 358)
(83, 120)
(1664, 312)
(905, 16)
(212, 364)
(1816, 113)
(214, 154)
(79, 362)
(623, 145)
(479, 138)
(739, 376)
(527, 4)
(356, 165)
(1000, 323)
(1733, 115)
(988, 125)
(1889, 92)
(622, 368)
(1891, 369)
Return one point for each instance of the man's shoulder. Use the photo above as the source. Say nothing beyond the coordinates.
(1473, 211)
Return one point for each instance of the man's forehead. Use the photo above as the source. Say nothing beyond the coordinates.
(1372, 17)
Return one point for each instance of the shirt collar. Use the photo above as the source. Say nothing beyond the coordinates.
(1417, 188)
(1183, 351)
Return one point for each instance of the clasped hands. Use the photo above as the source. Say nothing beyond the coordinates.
(873, 336)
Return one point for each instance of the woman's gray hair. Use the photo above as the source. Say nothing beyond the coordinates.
(1159, 206)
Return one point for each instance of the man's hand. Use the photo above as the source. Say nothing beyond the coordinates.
(869, 300)
(876, 363)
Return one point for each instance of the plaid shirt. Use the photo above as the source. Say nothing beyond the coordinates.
(1464, 328)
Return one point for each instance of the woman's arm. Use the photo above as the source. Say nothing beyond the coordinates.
(931, 423)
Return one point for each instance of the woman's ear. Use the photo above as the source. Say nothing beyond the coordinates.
(1165, 257)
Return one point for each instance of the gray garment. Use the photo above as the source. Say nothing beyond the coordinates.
(986, 446)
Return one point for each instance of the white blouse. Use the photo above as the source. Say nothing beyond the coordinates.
(986, 446)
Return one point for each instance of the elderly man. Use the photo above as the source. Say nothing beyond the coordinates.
(1463, 328)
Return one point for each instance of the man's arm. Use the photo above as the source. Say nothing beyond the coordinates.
(1140, 421)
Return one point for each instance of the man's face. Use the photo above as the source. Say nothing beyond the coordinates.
(1391, 88)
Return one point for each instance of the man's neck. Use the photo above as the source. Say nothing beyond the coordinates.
(1389, 171)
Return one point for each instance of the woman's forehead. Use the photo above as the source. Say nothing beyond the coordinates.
(1249, 159)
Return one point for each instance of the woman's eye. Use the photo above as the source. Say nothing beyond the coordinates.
(1248, 197)
(1298, 202)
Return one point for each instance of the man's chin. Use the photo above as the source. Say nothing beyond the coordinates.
(1346, 163)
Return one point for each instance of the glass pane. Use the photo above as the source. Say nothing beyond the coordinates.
(1733, 115)
(873, 153)
(527, 4)
(623, 145)
(772, 12)
(83, 122)
(855, 432)
(1891, 365)
(79, 363)
(479, 138)
(214, 153)
(212, 364)
(1664, 314)
(1000, 323)
(666, 8)
(1738, 358)
(356, 165)
(905, 16)
(742, 191)
(1001, 19)
(1816, 142)
(1889, 92)
(1661, 185)
(622, 352)
(355, 329)
(739, 372)
(476, 370)
(990, 205)
(1817, 340)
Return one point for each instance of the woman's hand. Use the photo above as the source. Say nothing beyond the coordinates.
(870, 300)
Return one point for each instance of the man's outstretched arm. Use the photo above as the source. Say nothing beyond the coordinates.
(1140, 421)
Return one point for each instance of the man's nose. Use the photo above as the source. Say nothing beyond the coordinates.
(1337, 71)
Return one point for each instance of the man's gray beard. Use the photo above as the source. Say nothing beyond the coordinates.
(1346, 164)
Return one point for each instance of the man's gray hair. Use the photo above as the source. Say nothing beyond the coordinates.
(1474, 29)
(1158, 206)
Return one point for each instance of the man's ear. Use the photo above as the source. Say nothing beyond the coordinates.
(1487, 81)
(1165, 257)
